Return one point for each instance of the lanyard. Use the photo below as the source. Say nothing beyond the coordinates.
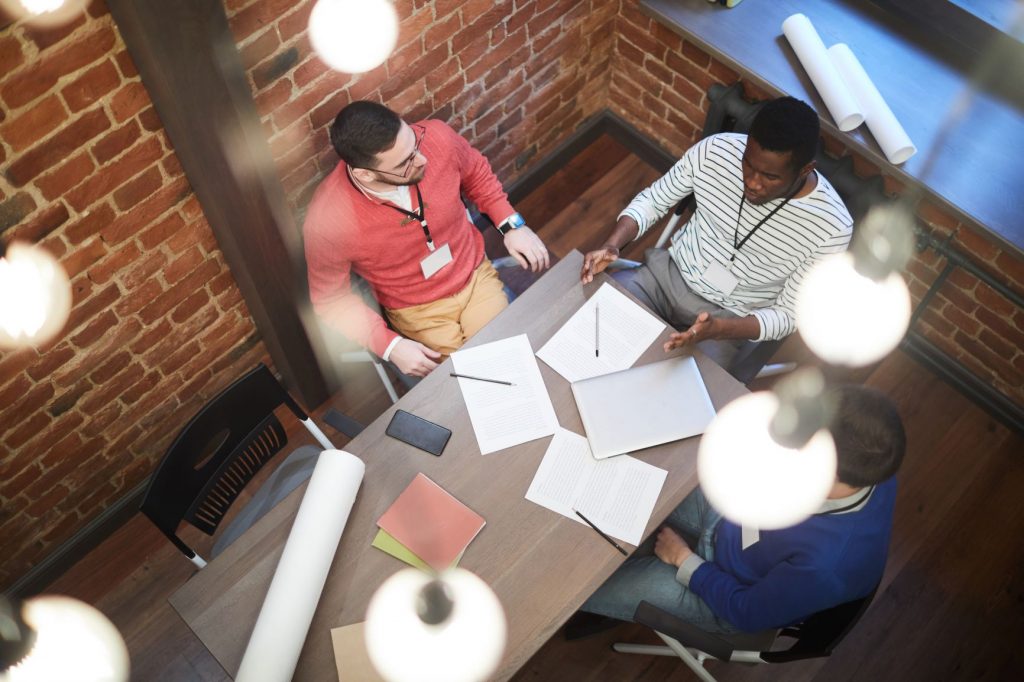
(739, 214)
(420, 215)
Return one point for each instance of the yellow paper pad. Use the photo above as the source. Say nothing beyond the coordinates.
(385, 542)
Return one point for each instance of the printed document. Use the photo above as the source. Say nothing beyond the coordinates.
(617, 494)
(503, 416)
(593, 343)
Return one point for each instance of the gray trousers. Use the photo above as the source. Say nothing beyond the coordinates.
(659, 285)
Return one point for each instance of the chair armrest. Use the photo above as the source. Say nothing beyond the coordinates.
(686, 634)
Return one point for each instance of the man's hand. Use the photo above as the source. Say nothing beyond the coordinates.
(596, 261)
(702, 329)
(413, 358)
(670, 547)
(526, 247)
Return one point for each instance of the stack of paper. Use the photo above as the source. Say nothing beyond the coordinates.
(426, 527)
(621, 332)
(510, 413)
(618, 495)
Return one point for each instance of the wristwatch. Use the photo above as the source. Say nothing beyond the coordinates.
(513, 222)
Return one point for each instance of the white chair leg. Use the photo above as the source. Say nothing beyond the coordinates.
(673, 220)
(646, 649)
(321, 438)
(693, 659)
(775, 369)
(198, 561)
(386, 380)
(694, 663)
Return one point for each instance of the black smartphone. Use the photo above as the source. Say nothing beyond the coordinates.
(418, 432)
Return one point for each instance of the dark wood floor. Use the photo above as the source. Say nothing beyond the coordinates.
(951, 606)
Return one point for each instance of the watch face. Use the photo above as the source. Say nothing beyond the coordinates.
(516, 220)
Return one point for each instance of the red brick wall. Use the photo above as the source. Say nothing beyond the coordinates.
(513, 78)
(158, 325)
(658, 83)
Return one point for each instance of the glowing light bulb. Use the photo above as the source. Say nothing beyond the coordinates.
(353, 35)
(74, 641)
(465, 646)
(45, 12)
(35, 296)
(754, 481)
(847, 318)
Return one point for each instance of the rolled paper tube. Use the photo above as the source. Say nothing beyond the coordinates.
(811, 52)
(882, 123)
(276, 641)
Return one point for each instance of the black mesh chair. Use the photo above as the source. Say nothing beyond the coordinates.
(815, 637)
(730, 112)
(220, 450)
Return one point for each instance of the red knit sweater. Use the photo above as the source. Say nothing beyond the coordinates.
(345, 232)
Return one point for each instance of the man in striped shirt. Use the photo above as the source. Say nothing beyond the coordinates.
(764, 216)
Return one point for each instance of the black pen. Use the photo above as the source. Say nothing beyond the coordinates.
(493, 381)
(597, 332)
(601, 533)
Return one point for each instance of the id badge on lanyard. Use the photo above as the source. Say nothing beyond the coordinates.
(438, 258)
(719, 276)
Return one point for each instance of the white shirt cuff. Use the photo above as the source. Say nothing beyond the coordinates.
(686, 569)
(391, 347)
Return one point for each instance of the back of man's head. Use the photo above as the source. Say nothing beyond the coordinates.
(869, 436)
(787, 125)
(362, 130)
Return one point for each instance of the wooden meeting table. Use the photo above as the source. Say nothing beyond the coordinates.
(541, 565)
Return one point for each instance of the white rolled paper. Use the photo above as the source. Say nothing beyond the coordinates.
(888, 132)
(811, 52)
(276, 641)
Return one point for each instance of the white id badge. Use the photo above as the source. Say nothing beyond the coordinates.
(437, 259)
(718, 276)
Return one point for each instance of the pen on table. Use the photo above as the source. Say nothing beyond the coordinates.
(601, 533)
(597, 330)
(493, 381)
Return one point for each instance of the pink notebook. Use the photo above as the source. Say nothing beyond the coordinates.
(431, 523)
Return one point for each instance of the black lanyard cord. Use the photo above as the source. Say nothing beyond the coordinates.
(419, 216)
(736, 246)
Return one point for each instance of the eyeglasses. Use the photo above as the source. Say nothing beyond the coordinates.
(420, 132)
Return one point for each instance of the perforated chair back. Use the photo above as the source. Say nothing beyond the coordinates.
(216, 454)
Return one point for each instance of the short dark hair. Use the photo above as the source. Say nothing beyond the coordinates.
(362, 130)
(787, 125)
(868, 433)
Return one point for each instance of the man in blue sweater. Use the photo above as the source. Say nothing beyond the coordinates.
(741, 580)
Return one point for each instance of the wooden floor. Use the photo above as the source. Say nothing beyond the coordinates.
(951, 606)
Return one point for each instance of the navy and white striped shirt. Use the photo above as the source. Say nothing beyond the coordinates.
(772, 265)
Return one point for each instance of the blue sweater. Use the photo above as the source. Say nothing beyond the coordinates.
(792, 573)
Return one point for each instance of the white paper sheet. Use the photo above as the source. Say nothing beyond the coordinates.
(626, 330)
(811, 52)
(503, 416)
(617, 494)
(287, 611)
(882, 123)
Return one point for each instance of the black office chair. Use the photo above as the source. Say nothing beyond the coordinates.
(220, 450)
(730, 112)
(815, 637)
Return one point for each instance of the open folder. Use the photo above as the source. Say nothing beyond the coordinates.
(643, 406)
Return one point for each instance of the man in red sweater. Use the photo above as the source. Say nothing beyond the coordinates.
(391, 212)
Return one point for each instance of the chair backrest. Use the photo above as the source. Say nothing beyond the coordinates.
(217, 453)
(730, 112)
(822, 632)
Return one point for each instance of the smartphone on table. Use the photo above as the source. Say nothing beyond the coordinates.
(418, 432)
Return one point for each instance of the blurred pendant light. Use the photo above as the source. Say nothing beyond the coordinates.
(35, 295)
(853, 308)
(767, 460)
(51, 639)
(448, 627)
(353, 35)
(45, 12)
